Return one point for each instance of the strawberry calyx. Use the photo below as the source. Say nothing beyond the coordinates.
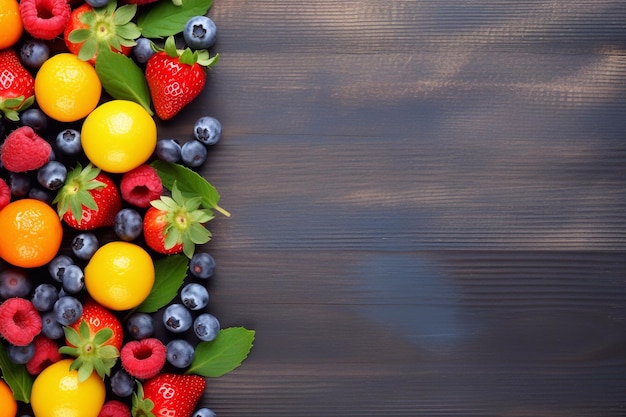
(187, 55)
(74, 194)
(106, 27)
(185, 221)
(141, 406)
(92, 353)
(11, 106)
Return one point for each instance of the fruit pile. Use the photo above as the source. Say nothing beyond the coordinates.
(104, 273)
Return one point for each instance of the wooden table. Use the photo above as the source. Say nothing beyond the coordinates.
(428, 206)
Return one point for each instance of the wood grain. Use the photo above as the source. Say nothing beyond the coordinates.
(428, 204)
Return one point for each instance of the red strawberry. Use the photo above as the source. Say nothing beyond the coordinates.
(17, 91)
(175, 80)
(99, 317)
(89, 199)
(176, 224)
(170, 395)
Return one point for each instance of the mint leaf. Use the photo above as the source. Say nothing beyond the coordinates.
(166, 18)
(16, 376)
(170, 271)
(223, 354)
(122, 78)
(190, 183)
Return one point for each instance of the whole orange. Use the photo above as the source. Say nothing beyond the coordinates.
(10, 22)
(9, 405)
(31, 233)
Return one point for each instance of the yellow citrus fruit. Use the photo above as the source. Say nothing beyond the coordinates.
(66, 88)
(10, 22)
(56, 392)
(9, 405)
(120, 275)
(30, 233)
(118, 136)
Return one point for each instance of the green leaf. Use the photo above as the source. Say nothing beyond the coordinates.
(132, 86)
(16, 376)
(166, 18)
(189, 183)
(170, 271)
(223, 354)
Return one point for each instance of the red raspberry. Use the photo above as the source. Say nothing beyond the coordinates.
(114, 408)
(46, 353)
(19, 321)
(24, 150)
(45, 19)
(141, 185)
(144, 358)
(5, 194)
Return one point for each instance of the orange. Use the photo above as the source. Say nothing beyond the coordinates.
(66, 88)
(118, 136)
(31, 233)
(9, 405)
(10, 22)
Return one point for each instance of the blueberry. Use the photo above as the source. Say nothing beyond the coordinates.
(73, 279)
(14, 283)
(19, 183)
(202, 265)
(52, 175)
(207, 130)
(204, 412)
(34, 53)
(194, 296)
(199, 32)
(122, 383)
(50, 327)
(67, 310)
(168, 150)
(193, 153)
(21, 354)
(57, 266)
(68, 141)
(143, 50)
(177, 318)
(40, 194)
(206, 327)
(44, 297)
(84, 245)
(140, 325)
(180, 353)
(97, 3)
(34, 118)
(128, 224)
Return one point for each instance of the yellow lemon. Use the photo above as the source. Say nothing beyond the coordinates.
(66, 88)
(120, 275)
(9, 405)
(118, 136)
(56, 392)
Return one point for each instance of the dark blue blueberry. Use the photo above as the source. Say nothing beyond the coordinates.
(14, 282)
(50, 327)
(140, 325)
(206, 327)
(21, 354)
(143, 50)
(194, 296)
(52, 175)
(84, 245)
(19, 183)
(73, 279)
(202, 265)
(57, 266)
(207, 130)
(67, 310)
(177, 318)
(40, 194)
(68, 141)
(204, 412)
(168, 150)
(34, 53)
(97, 3)
(180, 353)
(44, 297)
(122, 383)
(34, 118)
(193, 153)
(128, 224)
(200, 32)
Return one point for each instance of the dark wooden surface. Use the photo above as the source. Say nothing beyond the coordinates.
(428, 206)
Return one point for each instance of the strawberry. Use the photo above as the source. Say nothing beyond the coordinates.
(175, 78)
(17, 85)
(89, 199)
(95, 340)
(89, 28)
(171, 395)
(176, 224)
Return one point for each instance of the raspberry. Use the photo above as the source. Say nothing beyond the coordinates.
(144, 358)
(5, 194)
(46, 353)
(24, 150)
(141, 185)
(114, 408)
(19, 321)
(45, 19)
